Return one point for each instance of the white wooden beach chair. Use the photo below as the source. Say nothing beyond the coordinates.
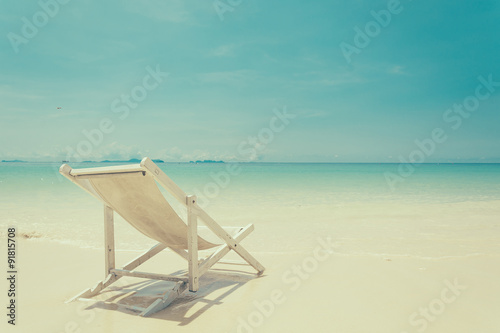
(131, 191)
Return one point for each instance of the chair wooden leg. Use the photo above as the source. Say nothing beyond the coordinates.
(223, 250)
(109, 240)
(192, 221)
(111, 278)
(230, 241)
(166, 300)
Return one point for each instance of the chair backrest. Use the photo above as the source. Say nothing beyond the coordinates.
(135, 196)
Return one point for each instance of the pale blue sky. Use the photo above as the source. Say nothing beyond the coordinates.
(227, 76)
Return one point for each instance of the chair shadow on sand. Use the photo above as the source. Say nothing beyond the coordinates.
(214, 288)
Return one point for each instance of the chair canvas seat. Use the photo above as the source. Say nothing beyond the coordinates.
(137, 198)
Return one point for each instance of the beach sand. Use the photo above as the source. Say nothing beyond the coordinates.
(312, 291)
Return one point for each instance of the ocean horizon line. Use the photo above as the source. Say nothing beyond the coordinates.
(158, 161)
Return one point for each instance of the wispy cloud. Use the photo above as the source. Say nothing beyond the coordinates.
(223, 51)
(63, 114)
(118, 151)
(398, 70)
(7, 92)
(237, 76)
(327, 79)
(311, 113)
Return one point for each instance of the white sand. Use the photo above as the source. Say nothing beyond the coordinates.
(331, 293)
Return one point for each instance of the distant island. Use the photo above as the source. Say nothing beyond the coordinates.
(206, 161)
(13, 161)
(132, 160)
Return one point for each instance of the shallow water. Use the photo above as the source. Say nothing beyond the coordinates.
(439, 211)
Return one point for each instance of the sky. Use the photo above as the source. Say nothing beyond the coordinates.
(250, 80)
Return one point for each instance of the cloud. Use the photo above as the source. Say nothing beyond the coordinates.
(398, 70)
(63, 114)
(315, 78)
(175, 154)
(6, 92)
(111, 151)
(237, 76)
(118, 151)
(171, 154)
(311, 113)
(223, 51)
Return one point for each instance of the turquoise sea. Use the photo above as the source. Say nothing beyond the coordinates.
(291, 204)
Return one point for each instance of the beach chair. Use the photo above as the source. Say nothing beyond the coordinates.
(132, 192)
